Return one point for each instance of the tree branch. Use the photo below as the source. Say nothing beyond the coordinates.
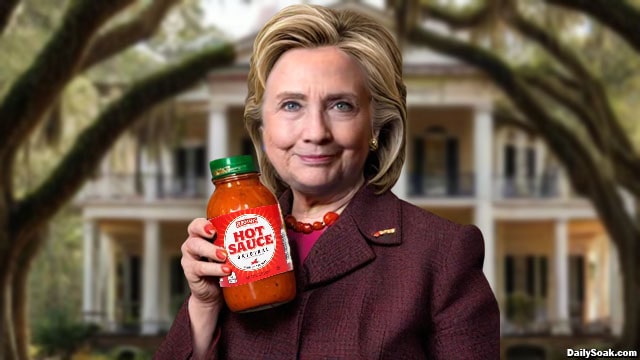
(507, 116)
(127, 34)
(596, 97)
(40, 85)
(459, 20)
(620, 16)
(604, 119)
(565, 99)
(602, 124)
(625, 163)
(6, 11)
(80, 163)
(547, 41)
(476, 56)
(571, 151)
(563, 78)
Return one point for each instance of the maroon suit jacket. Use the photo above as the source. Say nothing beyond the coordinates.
(415, 294)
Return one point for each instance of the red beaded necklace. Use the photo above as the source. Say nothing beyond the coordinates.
(306, 228)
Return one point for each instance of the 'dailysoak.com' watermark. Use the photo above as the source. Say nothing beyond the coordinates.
(595, 353)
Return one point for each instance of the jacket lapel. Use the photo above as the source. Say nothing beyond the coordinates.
(338, 251)
(346, 245)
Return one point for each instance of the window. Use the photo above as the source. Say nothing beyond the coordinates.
(435, 163)
(510, 161)
(531, 275)
(190, 164)
(509, 274)
(526, 274)
(531, 163)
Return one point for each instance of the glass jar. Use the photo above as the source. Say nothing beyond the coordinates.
(249, 225)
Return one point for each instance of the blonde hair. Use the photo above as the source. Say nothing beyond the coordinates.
(365, 40)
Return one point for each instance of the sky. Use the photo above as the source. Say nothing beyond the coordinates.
(236, 18)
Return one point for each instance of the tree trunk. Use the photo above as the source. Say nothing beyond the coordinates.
(14, 273)
(20, 316)
(630, 339)
(8, 345)
(20, 294)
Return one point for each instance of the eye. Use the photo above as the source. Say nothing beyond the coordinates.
(343, 106)
(290, 106)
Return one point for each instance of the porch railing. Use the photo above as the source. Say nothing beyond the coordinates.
(441, 185)
(539, 187)
(544, 186)
(145, 186)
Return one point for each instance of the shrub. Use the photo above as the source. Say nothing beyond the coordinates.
(60, 334)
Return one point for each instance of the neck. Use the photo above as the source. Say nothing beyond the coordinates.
(309, 208)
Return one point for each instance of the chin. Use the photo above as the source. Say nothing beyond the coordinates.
(313, 186)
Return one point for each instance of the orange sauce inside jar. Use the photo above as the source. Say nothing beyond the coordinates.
(255, 248)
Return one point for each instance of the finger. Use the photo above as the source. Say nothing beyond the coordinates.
(197, 248)
(195, 270)
(201, 227)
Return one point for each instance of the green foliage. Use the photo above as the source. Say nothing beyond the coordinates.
(129, 353)
(60, 333)
(182, 31)
(55, 281)
(31, 27)
(520, 308)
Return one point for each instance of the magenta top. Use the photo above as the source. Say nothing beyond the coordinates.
(304, 242)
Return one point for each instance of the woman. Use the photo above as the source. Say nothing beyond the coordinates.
(326, 110)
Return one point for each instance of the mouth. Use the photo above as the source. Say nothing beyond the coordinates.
(320, 159)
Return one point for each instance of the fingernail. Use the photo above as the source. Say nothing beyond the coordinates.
(226, 269)
(209, 229)
(222, 255)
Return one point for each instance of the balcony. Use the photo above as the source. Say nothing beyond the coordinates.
(540, 187)
(546, 186)
(145, 187)
(441, 186)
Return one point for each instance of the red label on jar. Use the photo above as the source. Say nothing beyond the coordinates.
(256, 243)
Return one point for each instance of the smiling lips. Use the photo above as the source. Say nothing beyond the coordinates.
(316, 159)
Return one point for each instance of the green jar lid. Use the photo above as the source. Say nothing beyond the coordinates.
(234, 165)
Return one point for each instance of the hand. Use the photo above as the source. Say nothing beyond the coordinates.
(203, 264)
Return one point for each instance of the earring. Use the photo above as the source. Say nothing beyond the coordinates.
(373, 144)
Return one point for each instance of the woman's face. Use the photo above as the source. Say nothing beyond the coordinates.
(317, 120)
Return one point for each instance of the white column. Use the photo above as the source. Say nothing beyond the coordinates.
(218, 134)
(149, 173)
(166, 168)
(616, 303)
(564, 184)
(521, 143)
(561, 257)
(541, 155)
(498, 175)
(151, 278)
(88, 274)
(483, 144)
(107, 282)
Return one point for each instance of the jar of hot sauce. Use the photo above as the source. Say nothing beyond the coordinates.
(249, 225)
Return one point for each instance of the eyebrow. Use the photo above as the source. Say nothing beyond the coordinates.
(290, 95)
(299, 96)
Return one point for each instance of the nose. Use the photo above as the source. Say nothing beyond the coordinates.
(316, 129)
